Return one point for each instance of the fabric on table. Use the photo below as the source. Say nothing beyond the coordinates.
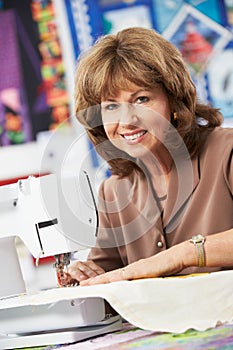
(161, 304)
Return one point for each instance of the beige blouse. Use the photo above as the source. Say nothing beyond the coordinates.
(133, 223)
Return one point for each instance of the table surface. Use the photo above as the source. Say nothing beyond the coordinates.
(130, 337)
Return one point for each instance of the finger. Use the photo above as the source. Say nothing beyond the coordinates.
(83, 270)
(95, 267)
(89, 269)
(74, 272)
(108, 277)
(69, 280)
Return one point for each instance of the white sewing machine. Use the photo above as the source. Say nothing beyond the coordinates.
(53, 217)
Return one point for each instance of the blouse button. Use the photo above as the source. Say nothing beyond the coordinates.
(159, 244)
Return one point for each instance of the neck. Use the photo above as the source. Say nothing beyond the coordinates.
(159, 168)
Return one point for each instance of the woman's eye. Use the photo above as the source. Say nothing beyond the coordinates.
(142, 99)
(109, 106)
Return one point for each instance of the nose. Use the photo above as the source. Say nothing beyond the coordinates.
(128, 115)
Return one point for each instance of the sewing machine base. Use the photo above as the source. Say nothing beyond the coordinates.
(110, 324)
(26, 321)
(58, 315)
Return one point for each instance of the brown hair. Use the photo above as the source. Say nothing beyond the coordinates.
(143, 57)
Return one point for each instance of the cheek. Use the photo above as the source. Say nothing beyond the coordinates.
(109, 129)
(164, 111)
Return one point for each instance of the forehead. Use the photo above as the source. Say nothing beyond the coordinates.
(132, 89)
(127, 87)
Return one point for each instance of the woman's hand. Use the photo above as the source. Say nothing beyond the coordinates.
(82, 270)
(166, 263)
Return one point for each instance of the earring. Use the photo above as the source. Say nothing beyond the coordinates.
(175, 116)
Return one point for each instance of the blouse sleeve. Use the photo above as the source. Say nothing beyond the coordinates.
(228, 167)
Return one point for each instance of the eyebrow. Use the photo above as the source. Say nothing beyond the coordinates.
(111, 99)
(138, 92)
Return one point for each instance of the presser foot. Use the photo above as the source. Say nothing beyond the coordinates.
(62, 261)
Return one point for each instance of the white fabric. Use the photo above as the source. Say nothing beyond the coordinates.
(172, 304)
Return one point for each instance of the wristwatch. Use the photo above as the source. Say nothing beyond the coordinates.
(199, 241)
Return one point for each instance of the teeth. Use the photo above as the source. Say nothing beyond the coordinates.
(134, 136)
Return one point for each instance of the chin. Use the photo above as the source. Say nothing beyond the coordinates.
(139, 154)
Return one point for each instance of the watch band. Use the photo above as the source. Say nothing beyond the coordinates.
(199, 241)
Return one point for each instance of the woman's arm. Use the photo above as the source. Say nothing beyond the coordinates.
(218, 253)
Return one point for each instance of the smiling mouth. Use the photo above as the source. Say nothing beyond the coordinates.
(134, 136)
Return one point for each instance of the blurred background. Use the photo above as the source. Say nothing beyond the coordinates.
(40, 41)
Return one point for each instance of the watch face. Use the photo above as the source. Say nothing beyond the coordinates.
(198, 239)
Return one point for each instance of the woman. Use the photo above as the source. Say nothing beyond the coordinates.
(167, 208)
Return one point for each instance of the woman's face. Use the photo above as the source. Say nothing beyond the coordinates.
(136, 120)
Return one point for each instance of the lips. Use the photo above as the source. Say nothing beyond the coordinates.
(134, 136)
